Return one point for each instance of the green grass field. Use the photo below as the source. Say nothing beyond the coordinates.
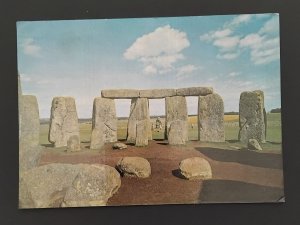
(231, 129)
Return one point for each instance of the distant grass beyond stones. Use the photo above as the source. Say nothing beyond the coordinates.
(231, 130)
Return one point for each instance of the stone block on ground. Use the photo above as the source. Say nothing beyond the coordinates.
(73, 144)
(254, 145)
(119, 146)
(67, 185)
(195, 168)
(134, 167)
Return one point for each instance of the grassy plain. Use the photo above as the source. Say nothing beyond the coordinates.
(231, 129)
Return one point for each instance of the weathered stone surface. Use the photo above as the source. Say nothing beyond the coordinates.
(93, 186)
(120, 93)
(194, 91)
(134, 167)
(105, 119)
(142, 133)
(176, 112)
(157, 93)
(63, 121)
(211, 118)
(252, 116)
(178, 132)
(29, 157)
(56, 185)
(97, 139)
(139, 111)
(195, 168)
(29, 121)
(254, 145)
(119, 146)
(73, 144)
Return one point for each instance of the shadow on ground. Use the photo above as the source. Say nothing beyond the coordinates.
(243, 156)
(236, 191)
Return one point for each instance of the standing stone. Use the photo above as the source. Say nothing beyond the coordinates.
(63, 121)
(139, 122)
(252, 117)
(105, 119)
(176, 128)
(97, 138)
(211, 118)
(29, 124)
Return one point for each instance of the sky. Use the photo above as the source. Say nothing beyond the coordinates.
(79, 58)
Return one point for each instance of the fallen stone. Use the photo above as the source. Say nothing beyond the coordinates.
(194, 91)
(211, 118)
(73, 144)
(157, 93)
(134, 167)
(139, 111)
(119, 146)
(254, 145)
(63, 121)
(195, 168)
(29, 121)
(105, 118)
(120, 93)
(66, 185)
(93, 186)
(252, 117)
(176, 114)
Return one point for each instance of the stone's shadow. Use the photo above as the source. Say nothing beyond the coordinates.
(130, 144)
(233, 141)
(47, 145)
(162, 143)
(177, 174)
(236, 191)
(122, 139)
(274, 142)
(243, 156)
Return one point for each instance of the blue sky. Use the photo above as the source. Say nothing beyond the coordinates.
(79, 58)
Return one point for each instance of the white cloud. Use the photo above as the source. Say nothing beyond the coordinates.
(227, 42)
(271, 26)
(158, 50)
(263, 45)
(228, 56)
(150, 70)
(251, 40)
(25, 78)
(31, 48)
(187, 69)
(234, 74)
(238, 20)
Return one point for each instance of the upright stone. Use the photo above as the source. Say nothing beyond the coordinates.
(252, 119)
(176, 128)
(139, 122)
(104, 120)
(211, 118)
(29, 124)
(63, 121)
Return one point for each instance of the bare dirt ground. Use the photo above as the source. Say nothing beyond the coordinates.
(238, 175)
